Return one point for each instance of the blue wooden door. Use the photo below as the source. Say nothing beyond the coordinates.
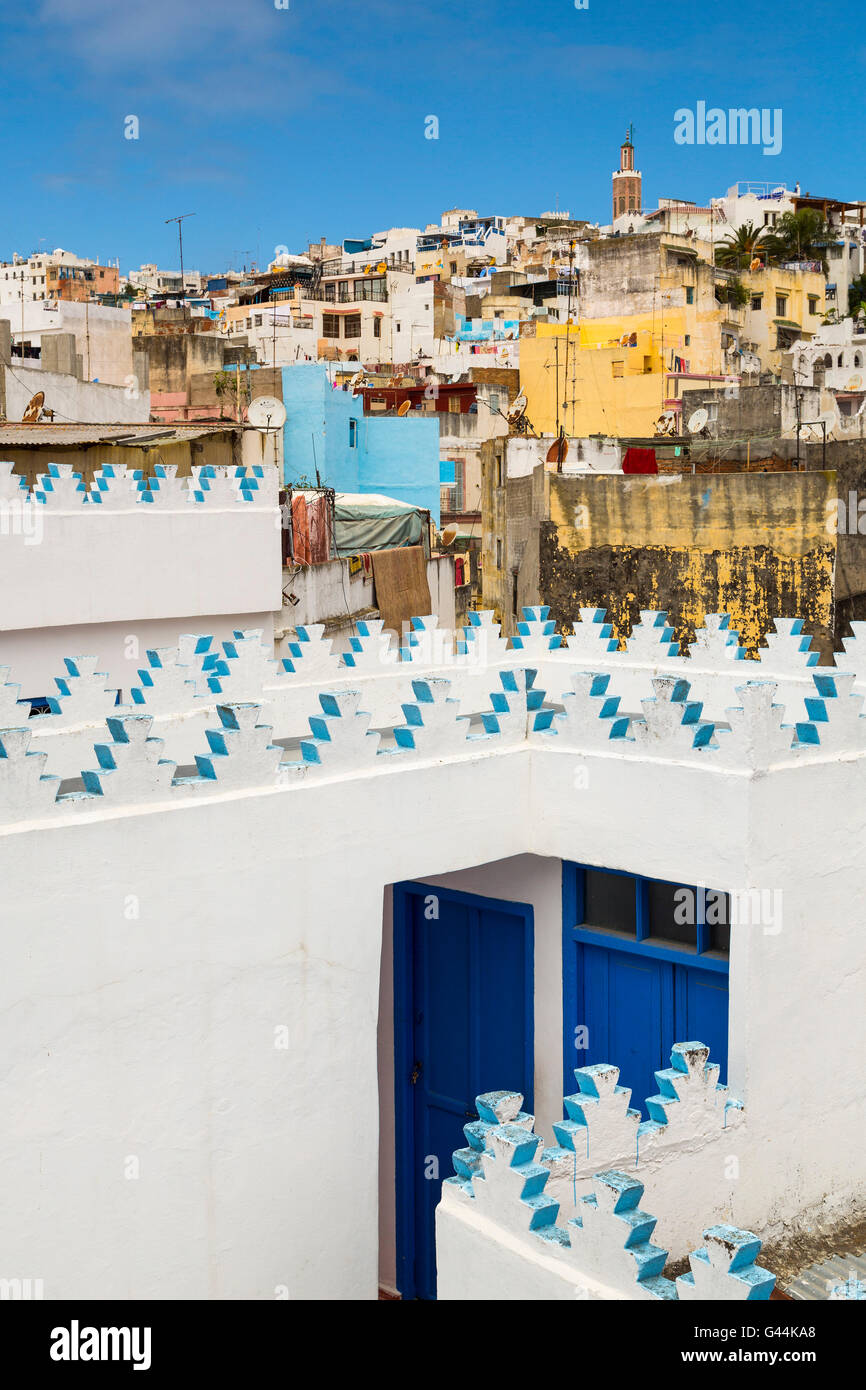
(636, 1006)
(470, 1030)
(628, 1015)
(702, 1005)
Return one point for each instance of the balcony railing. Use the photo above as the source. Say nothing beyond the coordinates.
(339, 266)
(377, 296)
(800, 265)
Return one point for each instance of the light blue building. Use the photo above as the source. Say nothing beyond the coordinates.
(326, 431)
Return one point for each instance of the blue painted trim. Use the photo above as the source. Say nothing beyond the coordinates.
(647, 948)
(572, 911)
(404, 994)
(704, 935)
(404, 1130)
(641, 908)
(575, 937)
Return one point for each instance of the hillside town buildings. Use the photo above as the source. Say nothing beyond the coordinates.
(411, 631)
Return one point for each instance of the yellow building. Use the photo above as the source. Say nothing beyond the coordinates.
(647, 317)
(784, 305)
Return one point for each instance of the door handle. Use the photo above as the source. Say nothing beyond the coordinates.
(416, 1072)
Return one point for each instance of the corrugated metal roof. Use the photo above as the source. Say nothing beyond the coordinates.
(135, 436)
(816, 1282)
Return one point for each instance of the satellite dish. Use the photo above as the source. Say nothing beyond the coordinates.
(266, 413)
(828, 419)
(518, 407)
(404, 408)
(666, 424)
(558, 451)
(697, 420)
(449, 535)
(357, 381)
(34, 406)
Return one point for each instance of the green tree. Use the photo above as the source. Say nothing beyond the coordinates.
(857, 297)
(223, 387)
(799, 236)
(740, 248)
(733, 293)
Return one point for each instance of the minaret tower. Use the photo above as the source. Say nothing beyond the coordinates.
(626, 180)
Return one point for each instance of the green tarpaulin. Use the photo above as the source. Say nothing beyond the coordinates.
(367, 521)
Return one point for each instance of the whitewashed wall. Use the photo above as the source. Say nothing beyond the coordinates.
(136, 568)
(488, 1250)
(103, 335)
(156, 939)
(91, 401)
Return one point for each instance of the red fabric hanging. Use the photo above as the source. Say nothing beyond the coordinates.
(300, 529)
(640, 461)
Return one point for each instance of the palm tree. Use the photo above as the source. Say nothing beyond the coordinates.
(740, 248)
(799, 236)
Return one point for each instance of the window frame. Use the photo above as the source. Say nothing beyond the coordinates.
(641, 943)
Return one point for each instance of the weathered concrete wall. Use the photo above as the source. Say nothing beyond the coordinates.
(848, 514)
(103, 335)
(761, 413)
(512, 509)
(754, 545)
(176, 357)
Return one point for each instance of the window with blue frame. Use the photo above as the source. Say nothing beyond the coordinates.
(645, 965)
(660, 915)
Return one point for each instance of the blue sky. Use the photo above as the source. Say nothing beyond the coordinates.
(279, 126)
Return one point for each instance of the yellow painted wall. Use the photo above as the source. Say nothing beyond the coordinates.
(750, 544)
(798, 285)
(609, 389)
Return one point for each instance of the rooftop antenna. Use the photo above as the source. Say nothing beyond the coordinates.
(179, 220)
